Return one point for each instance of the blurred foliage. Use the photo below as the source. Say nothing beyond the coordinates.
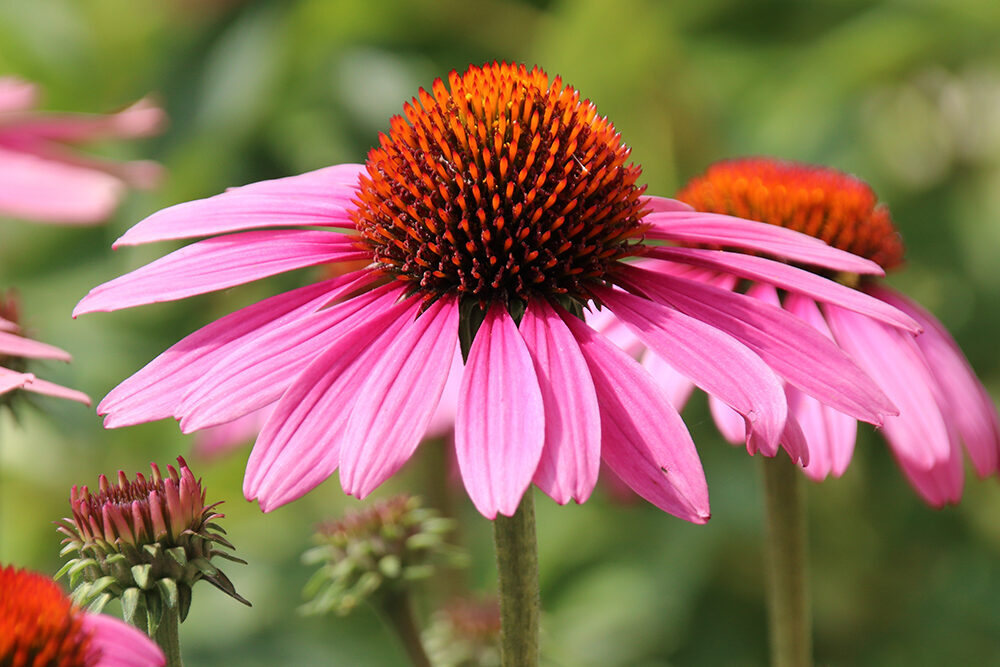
(905, 93)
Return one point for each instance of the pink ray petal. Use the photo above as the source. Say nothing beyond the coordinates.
(791, 279)
(733, 428)
(10, 380)
(831, 434)
(675, 386)
(46, 388)
(715, 361)
(16, 94)
(17, 346)
(443, 422)
(156, 390)
(320, 197)
(114, 643)
(300, 444)
(919, 435)
(218, 263)
(731, 232)
(608, 325)
(940, 484)
(500, 427)
(967, 404)
(255, 372)
(665, 205)
(48, 191)
(7, 325)
(141, 119)
(643, 439)
(571, 457)
(795, 350)
(218, 441)
(401, 391)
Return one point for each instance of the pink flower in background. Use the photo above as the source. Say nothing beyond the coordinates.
(16, 351)
(941, 402)
(41, 179)
(489, 218)
(40, 626)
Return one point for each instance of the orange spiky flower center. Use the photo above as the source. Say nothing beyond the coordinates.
(500, 185)
(39, 627)
(822, 202)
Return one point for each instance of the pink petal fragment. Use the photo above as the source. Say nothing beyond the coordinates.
(400, 393)
(571, 458)
(664, 205)
(715, 361)
(36, 188)
(789, 278)
(675, 386)
(643, 439)
(968, 406)
(320, 197)
(731, 232)
(46, 388)
(11, 380)
(17, 94)
(141, 119)
(218, 263)
(940, 484)
(17, 346)
(443, 422)
(299, 446)
(918, 436)
(500, 427)
(116, 644)
(795, 350)
(255, 372)
(156, 390)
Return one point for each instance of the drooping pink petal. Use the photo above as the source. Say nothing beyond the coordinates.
(643, 439)
(665, 205)
(831, 434)
(114, 643)
(18, 346)
(44, 190)
(46, 388)
(7, 325)
(795, 350)
(399, 396)
(217, 263)
(10, 380)
(967, 404)
(155, 391)
(675, 386)
(715, 361)
(715, 229)
(320, 197)
(733, 428)
(17, 94)
(919, 435)
(571, 457)
(500, 428)
(940, 484)
(255, 372)
(791, 279)
(299, 446)
(141, 119)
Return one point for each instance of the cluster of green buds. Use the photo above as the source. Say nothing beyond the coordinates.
(145, 541)
(465, 632)
(377, 550)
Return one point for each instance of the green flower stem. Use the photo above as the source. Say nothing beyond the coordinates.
(167, 636)
(517, 570)
(398, 610)
(789, 614)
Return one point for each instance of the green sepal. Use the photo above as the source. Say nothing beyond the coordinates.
(183, 600)
(168, 593)
(154, 612)
(140, 574)
(133, 607)
(178, 554)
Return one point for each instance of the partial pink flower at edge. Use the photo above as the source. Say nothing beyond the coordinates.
(43, 180)
(537, 225)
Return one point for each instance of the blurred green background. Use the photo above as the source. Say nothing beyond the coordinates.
(905, 94)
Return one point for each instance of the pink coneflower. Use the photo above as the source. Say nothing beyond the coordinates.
(42, 180)
(16, 351)
(496, 210)
(941, 402)
(40, 626)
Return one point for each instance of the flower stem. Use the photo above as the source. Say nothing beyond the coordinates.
(788, 605)
(398, 610)
(167, 636)
(517, 570)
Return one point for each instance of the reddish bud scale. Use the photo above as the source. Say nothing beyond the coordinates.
(498, 185)
(822, 202)
(39, 627)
